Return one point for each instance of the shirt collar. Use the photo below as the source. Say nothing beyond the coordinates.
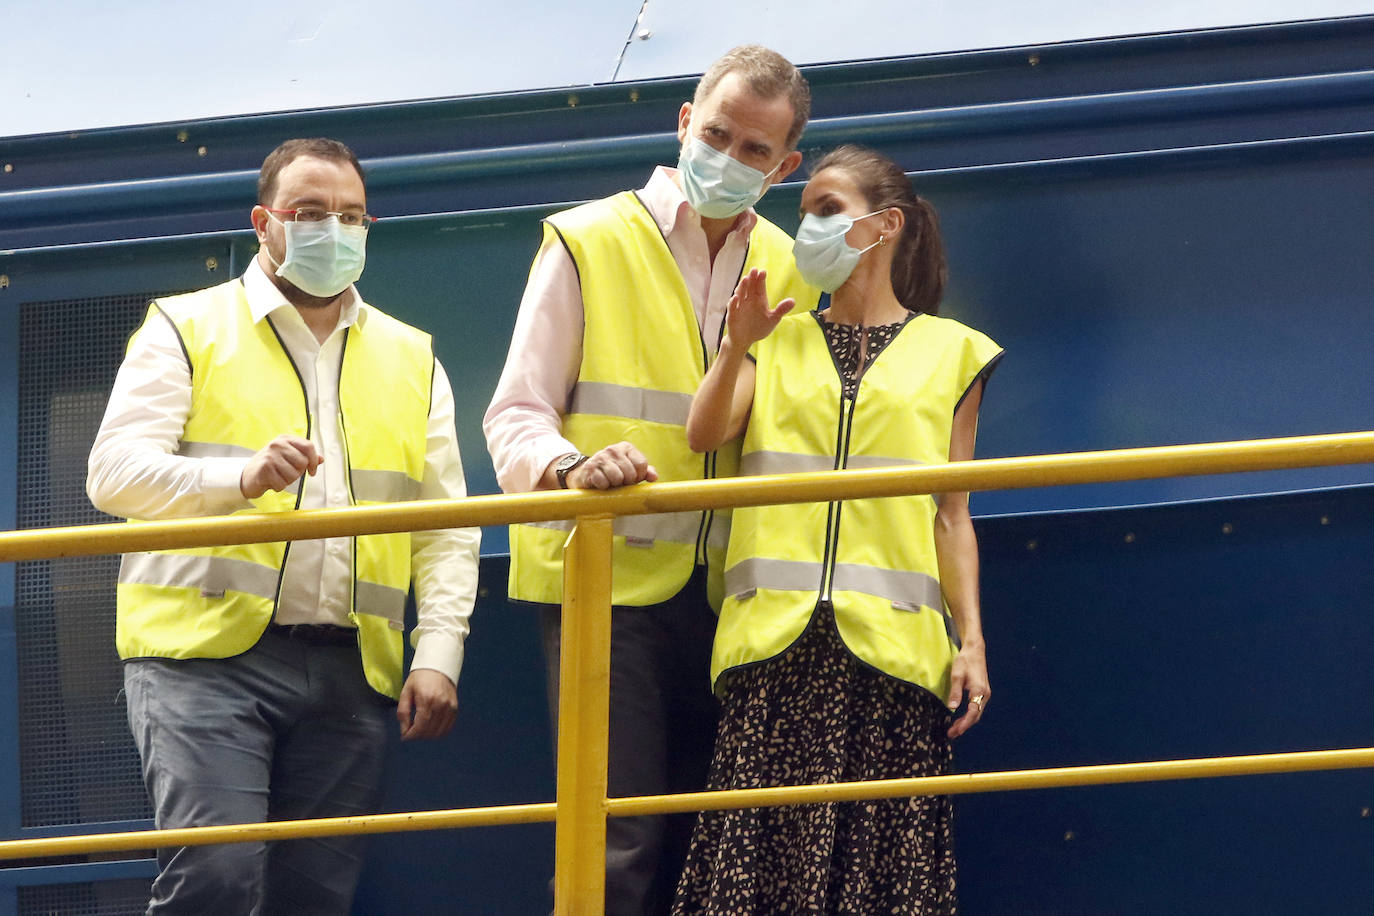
(667, 204)
(264, 298)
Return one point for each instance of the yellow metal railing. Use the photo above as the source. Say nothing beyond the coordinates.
(582, 806)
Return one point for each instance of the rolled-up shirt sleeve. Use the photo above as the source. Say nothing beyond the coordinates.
(443, 561)
(523, 424)
(133, 470)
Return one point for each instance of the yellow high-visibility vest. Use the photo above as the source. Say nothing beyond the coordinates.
(643, 356)
(216, 602)
(873, 559)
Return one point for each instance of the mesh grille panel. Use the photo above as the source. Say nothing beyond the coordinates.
(126, 897)
(78, 763)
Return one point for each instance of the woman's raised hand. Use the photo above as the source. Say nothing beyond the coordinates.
(748, 318)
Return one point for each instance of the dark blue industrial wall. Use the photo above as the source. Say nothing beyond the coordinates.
(1171, 237)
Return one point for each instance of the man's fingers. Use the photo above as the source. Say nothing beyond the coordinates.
(403, 710)
(614, 466)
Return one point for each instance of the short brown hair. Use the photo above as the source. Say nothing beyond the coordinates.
(768, 75)
(919, 271)
(291, 150)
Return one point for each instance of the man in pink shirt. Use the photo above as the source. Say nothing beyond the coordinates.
(622, 313)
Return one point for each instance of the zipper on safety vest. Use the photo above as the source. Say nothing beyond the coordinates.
(300, 489)
(708, 469)
(348, 476)
(832, 522)
(707, 517)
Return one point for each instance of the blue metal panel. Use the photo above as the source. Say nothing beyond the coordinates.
(1167, 299)
(498, 753)
(1216, 628)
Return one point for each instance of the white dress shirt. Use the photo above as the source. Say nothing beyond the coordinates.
(523, 424)
(134, 473)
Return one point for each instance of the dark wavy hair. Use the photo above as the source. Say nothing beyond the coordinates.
(918, 265)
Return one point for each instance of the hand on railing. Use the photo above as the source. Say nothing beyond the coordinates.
(616, 465)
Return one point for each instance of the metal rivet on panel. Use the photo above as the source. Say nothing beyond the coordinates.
(182, 136)
(1227, 528)
(634, 95)
(1034, 60)
(4, 281)
(201, 151)
(9, 167)
(212, 263)
(1129, 538)
(1326, 519)
(572, 101)
(1031, 545)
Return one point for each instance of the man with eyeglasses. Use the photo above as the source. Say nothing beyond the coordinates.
(261, 678)
(622, 313)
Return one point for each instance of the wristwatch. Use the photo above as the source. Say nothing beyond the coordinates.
(565, 466)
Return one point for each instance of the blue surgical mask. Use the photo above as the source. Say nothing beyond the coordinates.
(823, 256)
(323, 258)
(718, 186)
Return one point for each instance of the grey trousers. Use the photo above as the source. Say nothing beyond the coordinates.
(662, 732)
(287, 730)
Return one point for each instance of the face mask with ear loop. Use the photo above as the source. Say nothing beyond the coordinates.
(823, 256)
(719, 186)
(324, 257)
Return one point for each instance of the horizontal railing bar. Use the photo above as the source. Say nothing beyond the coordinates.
(1009, 781)
(683, 496)
(964, 784)
(278, 830)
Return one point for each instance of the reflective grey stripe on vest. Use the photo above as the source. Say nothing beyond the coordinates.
(213, 576)
(718, 538)
(609, 400)
(906, 590)
(384, 486)
(643, 530)
(382, 601)
(754, 463)
(213, 450)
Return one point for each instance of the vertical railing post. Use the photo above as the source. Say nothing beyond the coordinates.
(583, 690)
